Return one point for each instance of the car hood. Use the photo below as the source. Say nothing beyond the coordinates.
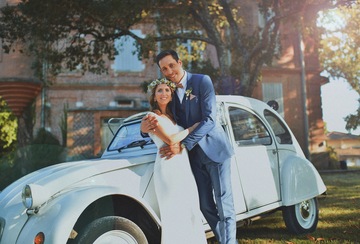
(60, 176)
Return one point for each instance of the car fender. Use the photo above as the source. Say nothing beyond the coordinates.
(57, 219)
(299, 180)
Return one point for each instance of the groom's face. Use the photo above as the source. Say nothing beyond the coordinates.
(171, 68)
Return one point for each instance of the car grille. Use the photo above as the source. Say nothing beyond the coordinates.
(2, 226)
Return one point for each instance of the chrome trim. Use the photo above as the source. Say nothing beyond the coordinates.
(2, 227)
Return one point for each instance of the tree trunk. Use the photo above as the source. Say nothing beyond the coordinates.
(24, 138)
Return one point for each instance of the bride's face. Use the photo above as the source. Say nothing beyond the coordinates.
(162, 94)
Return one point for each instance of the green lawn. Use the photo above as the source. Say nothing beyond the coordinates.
(339, 217)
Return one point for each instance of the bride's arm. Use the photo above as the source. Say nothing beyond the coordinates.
(173, 138)
(178, 137)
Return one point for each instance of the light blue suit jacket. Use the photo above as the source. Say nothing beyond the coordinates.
(200, 106)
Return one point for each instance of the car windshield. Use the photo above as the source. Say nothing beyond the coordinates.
(128, 136)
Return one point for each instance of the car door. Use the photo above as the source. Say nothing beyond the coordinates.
(256, 157)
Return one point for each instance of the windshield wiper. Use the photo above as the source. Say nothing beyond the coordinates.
(138, 143)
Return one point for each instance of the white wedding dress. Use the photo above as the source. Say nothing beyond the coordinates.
(177, 195)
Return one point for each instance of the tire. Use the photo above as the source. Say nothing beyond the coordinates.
(302, 217)
(111, 229)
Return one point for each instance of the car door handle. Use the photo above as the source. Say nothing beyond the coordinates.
(274, 151)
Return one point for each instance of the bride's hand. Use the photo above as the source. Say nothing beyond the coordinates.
(170, 151)
(148, 123)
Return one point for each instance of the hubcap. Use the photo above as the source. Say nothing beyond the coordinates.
(116, 236)
(305, 209)
(306, 213)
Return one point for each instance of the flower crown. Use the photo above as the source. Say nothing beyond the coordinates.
(154, 83)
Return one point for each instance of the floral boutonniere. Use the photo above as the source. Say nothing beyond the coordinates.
(188, 92)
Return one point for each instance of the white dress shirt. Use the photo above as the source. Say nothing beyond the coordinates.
(181, 91)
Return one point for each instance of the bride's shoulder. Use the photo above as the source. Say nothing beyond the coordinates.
(156, 115)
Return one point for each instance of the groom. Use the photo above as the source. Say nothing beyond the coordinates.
(208, 145)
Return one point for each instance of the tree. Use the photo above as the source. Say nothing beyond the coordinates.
(8, 131)
(353, 120)
(241, 53)
(80, 33)
(8, 128)
(70, 33)
(341, 48)
(74, 33)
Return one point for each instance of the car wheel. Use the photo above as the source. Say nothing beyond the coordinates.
(302, 217)
(112, 229)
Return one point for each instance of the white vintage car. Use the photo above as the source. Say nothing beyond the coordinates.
(112, 199)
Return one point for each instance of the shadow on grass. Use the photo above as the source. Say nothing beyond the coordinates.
(339, 217)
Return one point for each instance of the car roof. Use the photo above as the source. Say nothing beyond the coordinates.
(245, 101)
(137, 116)
(235, 99)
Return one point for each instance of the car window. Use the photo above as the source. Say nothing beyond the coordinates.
(282, 134)
(247, 128)
(126, 135)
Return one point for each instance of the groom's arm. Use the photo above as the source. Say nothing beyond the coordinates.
(207, 115)
(207, 119)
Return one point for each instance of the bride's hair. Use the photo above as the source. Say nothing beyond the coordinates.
(154, 107)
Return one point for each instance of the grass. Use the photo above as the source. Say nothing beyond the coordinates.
(339, 217)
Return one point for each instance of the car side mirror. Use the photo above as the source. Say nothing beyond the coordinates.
(273, 104)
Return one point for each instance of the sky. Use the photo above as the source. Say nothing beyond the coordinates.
(338, 101)
(338, 97)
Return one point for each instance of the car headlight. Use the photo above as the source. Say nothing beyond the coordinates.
(27, 197)
(33, 196)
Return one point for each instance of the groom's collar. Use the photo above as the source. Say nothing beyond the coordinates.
(184, 79)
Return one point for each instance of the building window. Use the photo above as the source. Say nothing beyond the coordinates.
(123, 102)
(1, 51)
(274, 91)
(127, 59)
(145, 104)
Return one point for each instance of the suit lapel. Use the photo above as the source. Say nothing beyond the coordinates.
(186, 100)
(173, 107)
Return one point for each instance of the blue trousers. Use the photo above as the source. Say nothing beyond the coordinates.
(214, 183)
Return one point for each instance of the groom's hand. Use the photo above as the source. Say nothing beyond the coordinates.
(170, 151)
(148, 123)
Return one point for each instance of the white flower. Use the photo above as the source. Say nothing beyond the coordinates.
(188, 92)
(154, 83)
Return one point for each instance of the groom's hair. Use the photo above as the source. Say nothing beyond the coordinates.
(165, 53)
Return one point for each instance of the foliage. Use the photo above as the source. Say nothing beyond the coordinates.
(341, 43)
(333, 158)
(353, 120)
(192, 61)
(43, 151)
(8, 128)
(340, 48)
(69, 34)
(144, 85)
(80, 34)
(220, 23)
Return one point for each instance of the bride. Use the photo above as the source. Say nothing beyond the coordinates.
(175, 186)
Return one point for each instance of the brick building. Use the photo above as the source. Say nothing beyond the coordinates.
(93, 99)
(346, 146)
